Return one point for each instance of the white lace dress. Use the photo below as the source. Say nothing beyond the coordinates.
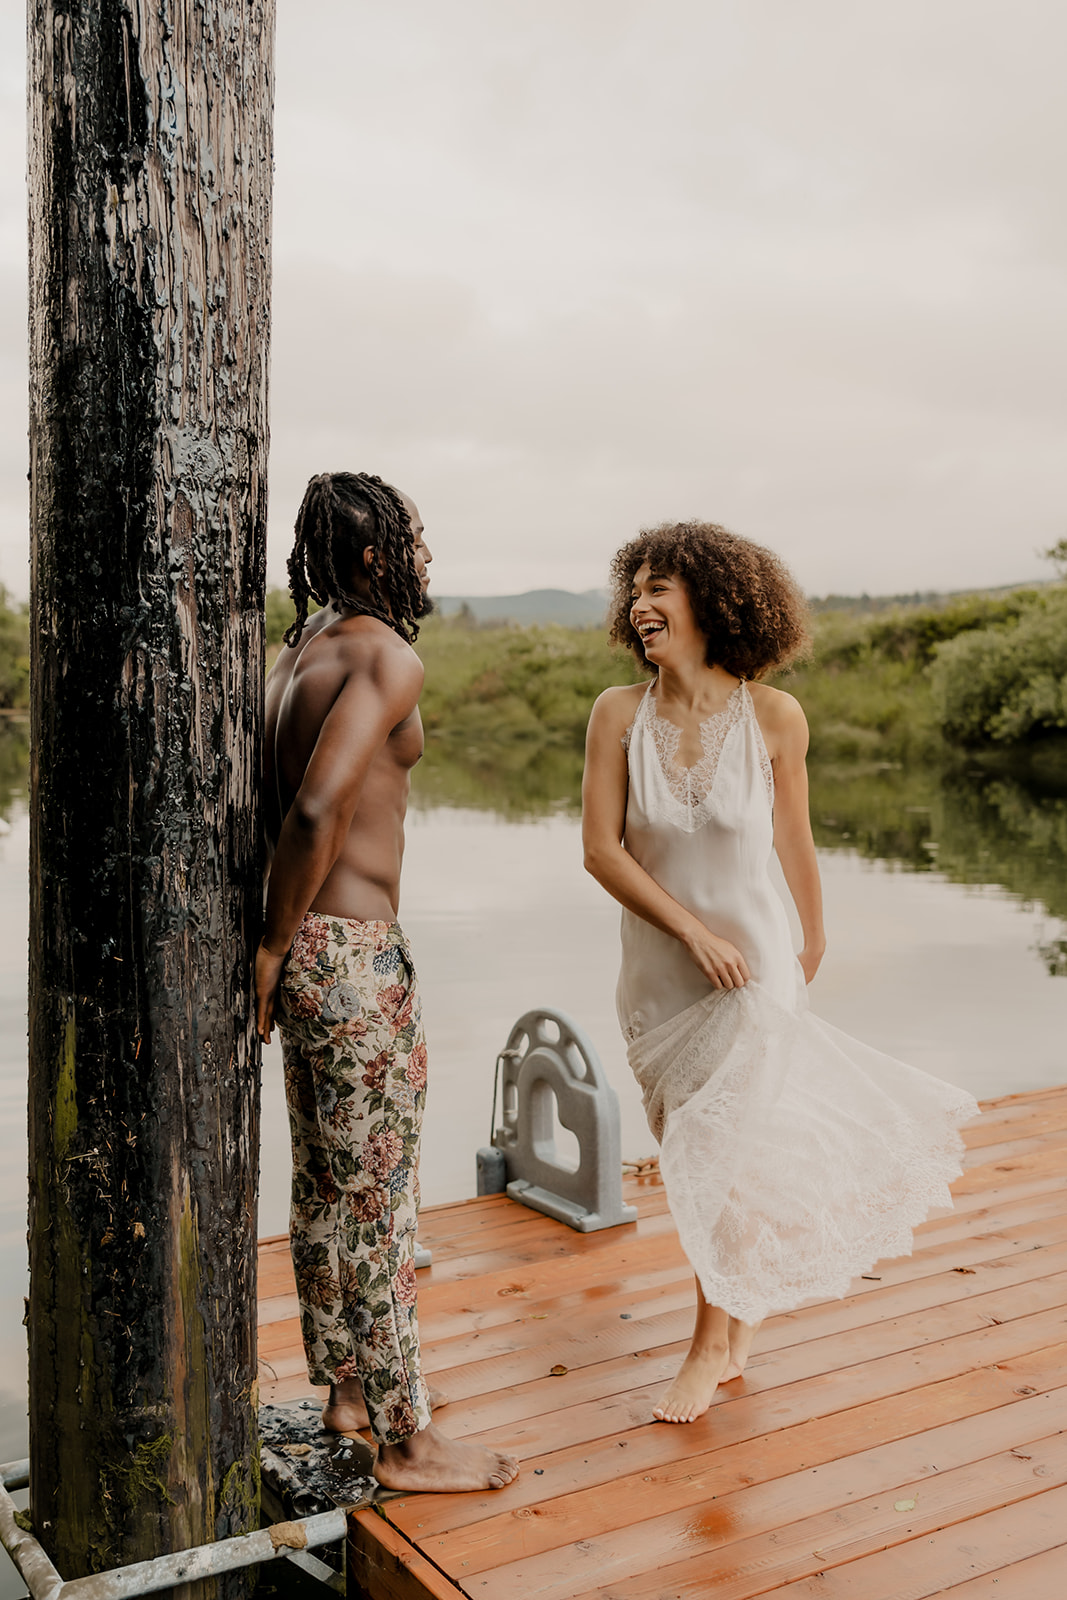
(793, 1156)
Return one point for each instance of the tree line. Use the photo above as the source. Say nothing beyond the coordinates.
(975, 671)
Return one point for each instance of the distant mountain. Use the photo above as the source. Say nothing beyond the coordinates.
(911, 602)
(586, 610)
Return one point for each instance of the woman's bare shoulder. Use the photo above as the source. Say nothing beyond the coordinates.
(781, 719)
(618, 705)
(776, 707)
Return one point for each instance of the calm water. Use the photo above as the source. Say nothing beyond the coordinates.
(946, 907)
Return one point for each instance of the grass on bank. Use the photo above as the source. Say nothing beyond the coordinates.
(983, 674)
(979, 673)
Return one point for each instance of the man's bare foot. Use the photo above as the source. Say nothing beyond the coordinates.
(346, 1411)
(693, 1390)
(429, 1461)
(741, 1335)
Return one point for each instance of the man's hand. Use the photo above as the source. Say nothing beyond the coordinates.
(268, 977)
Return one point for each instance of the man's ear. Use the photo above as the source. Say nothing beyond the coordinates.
(373, 561)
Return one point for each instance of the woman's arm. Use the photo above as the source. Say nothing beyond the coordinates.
(792, 827)
(604, 789)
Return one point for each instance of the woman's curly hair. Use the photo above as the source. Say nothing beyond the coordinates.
(746, 602)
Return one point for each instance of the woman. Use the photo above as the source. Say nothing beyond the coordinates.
(793, 1156)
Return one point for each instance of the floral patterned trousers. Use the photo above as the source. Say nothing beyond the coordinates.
(355, 1082)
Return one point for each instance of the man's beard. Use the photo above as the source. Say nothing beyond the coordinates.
(427, 608)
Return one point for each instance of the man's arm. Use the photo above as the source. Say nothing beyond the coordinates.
(381, 689)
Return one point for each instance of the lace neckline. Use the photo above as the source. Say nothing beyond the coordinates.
(727, 712)
(692, 788)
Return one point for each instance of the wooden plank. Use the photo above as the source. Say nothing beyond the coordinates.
(650, 1338)
(801, 1439)
(1039, 1577)
(275, 1271)
(1006, 1190)
(386, 1566)
(477, 1408)
(1027, 1097)
(1016, 1144)
(927, 1567)
(1048, 1224)
(729, 1562)
(519, 1227)
(613, 1400)
(438, 1296)
(278, 1308)
(644, 1517)
(616, 1294)
(612, 1293)
(633, 1255)
(1043, 1164)
(576, 1251)
(278, 1339)
(552, 1274)
(1018, 1122)
(875, 1302)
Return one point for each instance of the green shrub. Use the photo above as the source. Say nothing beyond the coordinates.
(14, 654)
(886, 686)
(843, 639)
(492, 686)
(1005, 683)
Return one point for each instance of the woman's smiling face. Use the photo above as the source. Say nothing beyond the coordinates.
(661, 613)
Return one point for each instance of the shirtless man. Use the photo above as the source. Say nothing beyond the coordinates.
(343, 733)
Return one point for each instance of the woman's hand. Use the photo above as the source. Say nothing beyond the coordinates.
(809, 959)
(720, 961)
(268, 977)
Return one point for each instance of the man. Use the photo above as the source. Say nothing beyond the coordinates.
(343, 733)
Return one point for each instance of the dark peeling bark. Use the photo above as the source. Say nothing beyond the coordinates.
(150, 183)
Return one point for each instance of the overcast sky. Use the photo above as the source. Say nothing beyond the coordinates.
(560, 268)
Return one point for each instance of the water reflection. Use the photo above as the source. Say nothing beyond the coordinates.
(970, 825)
(514, 779)
(14, 762)
(1005, 826)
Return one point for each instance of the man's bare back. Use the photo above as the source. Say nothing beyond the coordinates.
(304, 687)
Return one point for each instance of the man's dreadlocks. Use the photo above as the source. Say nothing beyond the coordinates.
(340, 515)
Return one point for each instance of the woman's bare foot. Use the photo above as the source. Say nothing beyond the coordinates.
(693, 1390)
(741, 1335)
(429, 1461)
(346, 1410)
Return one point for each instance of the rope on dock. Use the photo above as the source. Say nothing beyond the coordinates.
(642, 1167)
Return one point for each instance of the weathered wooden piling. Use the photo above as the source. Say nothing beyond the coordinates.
(150, 194)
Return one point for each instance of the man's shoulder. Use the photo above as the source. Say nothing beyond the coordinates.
(363, 647)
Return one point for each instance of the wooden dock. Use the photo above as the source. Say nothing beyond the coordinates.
(907, 1441)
